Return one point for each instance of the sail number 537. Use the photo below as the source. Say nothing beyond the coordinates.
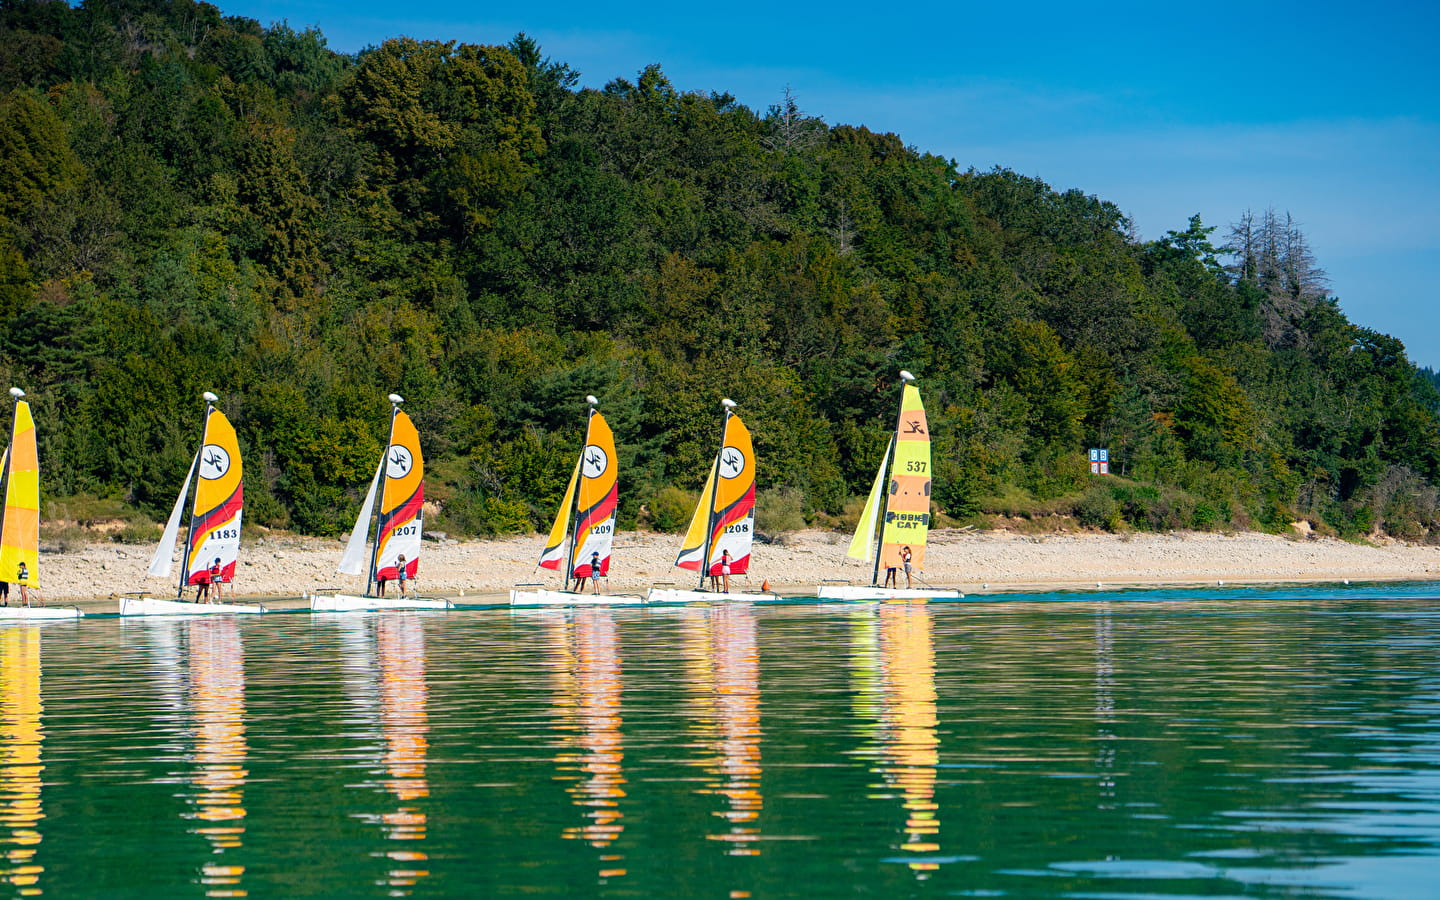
(917, 466)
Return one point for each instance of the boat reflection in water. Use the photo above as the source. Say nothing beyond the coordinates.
(20, 767)
(585, 667)
(894, 679)
(405, 727)
(724, 661)
(216, 665)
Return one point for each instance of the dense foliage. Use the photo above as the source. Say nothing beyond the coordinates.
(191, 201)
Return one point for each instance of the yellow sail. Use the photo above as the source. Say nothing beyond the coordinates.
(558, 544)
(907, 510)
(862, 545)
(694, 546)
(20, 525)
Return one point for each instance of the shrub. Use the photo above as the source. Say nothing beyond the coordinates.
(779, 510)
(1098, 508)
(137, 533)
(670, 509)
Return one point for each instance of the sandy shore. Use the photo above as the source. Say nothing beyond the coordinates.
(288, 567)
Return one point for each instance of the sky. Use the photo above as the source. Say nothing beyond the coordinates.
(1327, 111)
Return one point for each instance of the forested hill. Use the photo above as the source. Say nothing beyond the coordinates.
(191, 201)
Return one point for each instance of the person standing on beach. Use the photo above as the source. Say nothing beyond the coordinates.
(22, 578)
(891, 579)
(202, 586)
(905, 558)
(217, 578)
(401, 574)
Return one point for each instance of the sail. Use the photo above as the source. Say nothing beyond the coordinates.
(353, 560)
(20, 525)
(907, 509)
(599, 492)
(402, 495)
(733, 524)
(693, 547)
(219, 502)
(160, 562)
(862, 545)
(557, 546)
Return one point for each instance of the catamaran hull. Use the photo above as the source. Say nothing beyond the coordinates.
(151, 606)
(352, 603)
(853, 592)
(670, 595)
(27, 613)
(570, 598)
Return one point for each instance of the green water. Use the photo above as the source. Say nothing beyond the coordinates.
(1229, 745)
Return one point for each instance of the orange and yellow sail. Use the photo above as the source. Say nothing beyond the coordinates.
(401, 522)
(724, 518)
(215, 519)
(591, 495)
(20, 520)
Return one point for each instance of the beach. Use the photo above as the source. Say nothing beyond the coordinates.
(290, 567)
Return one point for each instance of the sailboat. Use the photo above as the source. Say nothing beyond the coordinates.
(394, 540)
(724, 519)
(584, 529)
(906, 489)
(213, 538)
(20, 517)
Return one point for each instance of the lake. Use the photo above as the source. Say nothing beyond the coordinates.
(1147, 744)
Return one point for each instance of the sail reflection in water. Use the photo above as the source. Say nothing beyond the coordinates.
(404, 718)
(217, 697)
(20, 766)
(894, 679)
(724, 663)
(586, 673)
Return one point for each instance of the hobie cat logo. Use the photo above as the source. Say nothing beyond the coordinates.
(732, 462)
(398, 462)
(596, 462)
(214, 462)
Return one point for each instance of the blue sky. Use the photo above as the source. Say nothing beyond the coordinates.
(1327, 111)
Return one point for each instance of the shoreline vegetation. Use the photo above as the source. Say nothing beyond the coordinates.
(481, 571)
(192, 201)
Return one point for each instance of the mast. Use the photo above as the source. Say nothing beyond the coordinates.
(395, 401)
(575, 501)
(210, 400)
(905, 378)
(729, 405)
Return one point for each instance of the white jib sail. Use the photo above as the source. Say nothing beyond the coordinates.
(353, 562)
(160, 562)
(862, 545)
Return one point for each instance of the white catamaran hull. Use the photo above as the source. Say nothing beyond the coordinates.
(352, 603)
(855, 592)
(25, 613)
(152, 606)
(544, 597)
(671, 595)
